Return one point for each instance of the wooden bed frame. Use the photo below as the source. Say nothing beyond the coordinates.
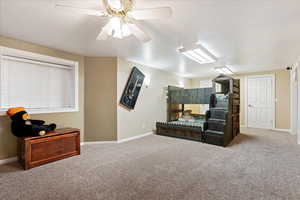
(177, 97)
(179, 131)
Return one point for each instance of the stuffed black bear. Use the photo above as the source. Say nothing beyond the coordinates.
(23, 126)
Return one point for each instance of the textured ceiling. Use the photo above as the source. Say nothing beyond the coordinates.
(248, 35)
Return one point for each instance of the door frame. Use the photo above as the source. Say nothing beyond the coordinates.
(298, 128)
(272, 76)
(294, 96)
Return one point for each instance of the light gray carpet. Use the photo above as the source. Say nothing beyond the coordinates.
(259, 165)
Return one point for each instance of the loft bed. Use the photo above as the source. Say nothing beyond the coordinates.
(218, 126)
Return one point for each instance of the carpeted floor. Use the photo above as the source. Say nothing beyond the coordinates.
(259, 165)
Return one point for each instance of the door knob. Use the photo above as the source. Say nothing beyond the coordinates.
(250, 105)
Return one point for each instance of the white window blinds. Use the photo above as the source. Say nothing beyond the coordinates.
(37, 85)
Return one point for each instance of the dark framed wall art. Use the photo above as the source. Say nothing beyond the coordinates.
(132, 89)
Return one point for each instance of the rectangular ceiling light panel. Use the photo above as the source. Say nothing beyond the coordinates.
(224, 70)
(199, 54)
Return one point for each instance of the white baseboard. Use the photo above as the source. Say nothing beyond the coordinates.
(282, 130)
(8, 160)
(13, 159)
(135, 137)
(118, 141)
(274, 129)
(99, 142)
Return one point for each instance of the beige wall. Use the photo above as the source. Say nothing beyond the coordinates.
(151, 105)
(102, 81)
(282, 95)
(74, 119)
(102, 119)
(100, 99)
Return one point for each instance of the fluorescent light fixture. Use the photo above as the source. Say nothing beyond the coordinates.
(198, 54)
(224, 70)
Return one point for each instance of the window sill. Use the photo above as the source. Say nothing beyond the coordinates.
(45, 111)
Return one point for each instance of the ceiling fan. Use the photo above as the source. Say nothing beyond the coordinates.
(123, 17)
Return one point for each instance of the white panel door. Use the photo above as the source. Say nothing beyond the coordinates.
(260, 101)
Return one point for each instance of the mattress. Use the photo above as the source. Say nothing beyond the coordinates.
(197, 123)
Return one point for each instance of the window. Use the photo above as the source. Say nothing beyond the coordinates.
(205, 84)
(218, 87)
(41, 84)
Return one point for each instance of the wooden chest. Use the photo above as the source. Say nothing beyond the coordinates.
(56, 145)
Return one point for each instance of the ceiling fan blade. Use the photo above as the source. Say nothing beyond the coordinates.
(80, 3)
(81, 10)
(139, 33)
(102, 35)
(152, 13)
(106, 31)
(157, 2)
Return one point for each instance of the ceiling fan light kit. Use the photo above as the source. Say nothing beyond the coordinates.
(123, 18)
(115, 28)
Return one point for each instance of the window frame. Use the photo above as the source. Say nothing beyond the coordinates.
(50, 61)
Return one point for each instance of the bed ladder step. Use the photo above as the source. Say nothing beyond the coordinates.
(214, 132)
(214, 125)
(218, 113)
